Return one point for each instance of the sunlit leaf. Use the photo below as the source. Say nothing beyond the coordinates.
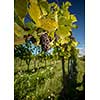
(73, 18)
(74, 43)
(67, 4)
(74, 26)
(48, 24)
(34, 11)
(66, 14)
(51, 34)
(62, 20)
(63, 31)
(44, 7)
(68, 48)
(19, 31)
(65, 40)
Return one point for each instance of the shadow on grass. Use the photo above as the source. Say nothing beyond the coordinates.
(69, 91)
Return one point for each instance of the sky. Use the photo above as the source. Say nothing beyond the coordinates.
(78, 8)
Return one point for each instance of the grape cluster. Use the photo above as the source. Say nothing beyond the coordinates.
(45, 42)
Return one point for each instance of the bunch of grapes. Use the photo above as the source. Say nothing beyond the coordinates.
(45, 42)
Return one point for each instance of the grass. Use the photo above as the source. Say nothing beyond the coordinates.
(42, 84)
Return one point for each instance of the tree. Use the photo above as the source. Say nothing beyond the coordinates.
(24, 52)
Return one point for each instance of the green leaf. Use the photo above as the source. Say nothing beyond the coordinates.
(19, 34)
(68, 48)
(20, 7)
(66, 5)
(30, 25)
(44, 7)
(73, 18)
(74, 43)
(17, 19)
(65, 40)
(66, 14)
(51, 34)
(63, 31)
(62, 20)
(74, 26)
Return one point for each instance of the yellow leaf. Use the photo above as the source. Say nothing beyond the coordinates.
(48, 24)
(18, 34)
(18, 40)
(68, 48)
(19, 31)
(66, 14)
(51, 43)
(44, 22)
(67, 4)
(34, 11)
(73, 18)
(74, 43)
(62, 49)
(63, 31)
(65, 40)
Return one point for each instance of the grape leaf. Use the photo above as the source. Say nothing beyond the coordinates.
(18, 20)
(74, 26)
(34, 11)
(30, 25)
(65, 40)
(68, 48)
(44, 7)
(62, 20)
(74, 43)
(18, 40)
(73, 18)
(48, 24)
(20, 7)
(66, 14)
(19, 31)
(67, 4)
(63, 31)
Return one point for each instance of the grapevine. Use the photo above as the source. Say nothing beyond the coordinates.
(49, 28)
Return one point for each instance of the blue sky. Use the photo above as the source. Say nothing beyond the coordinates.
(78, 9)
